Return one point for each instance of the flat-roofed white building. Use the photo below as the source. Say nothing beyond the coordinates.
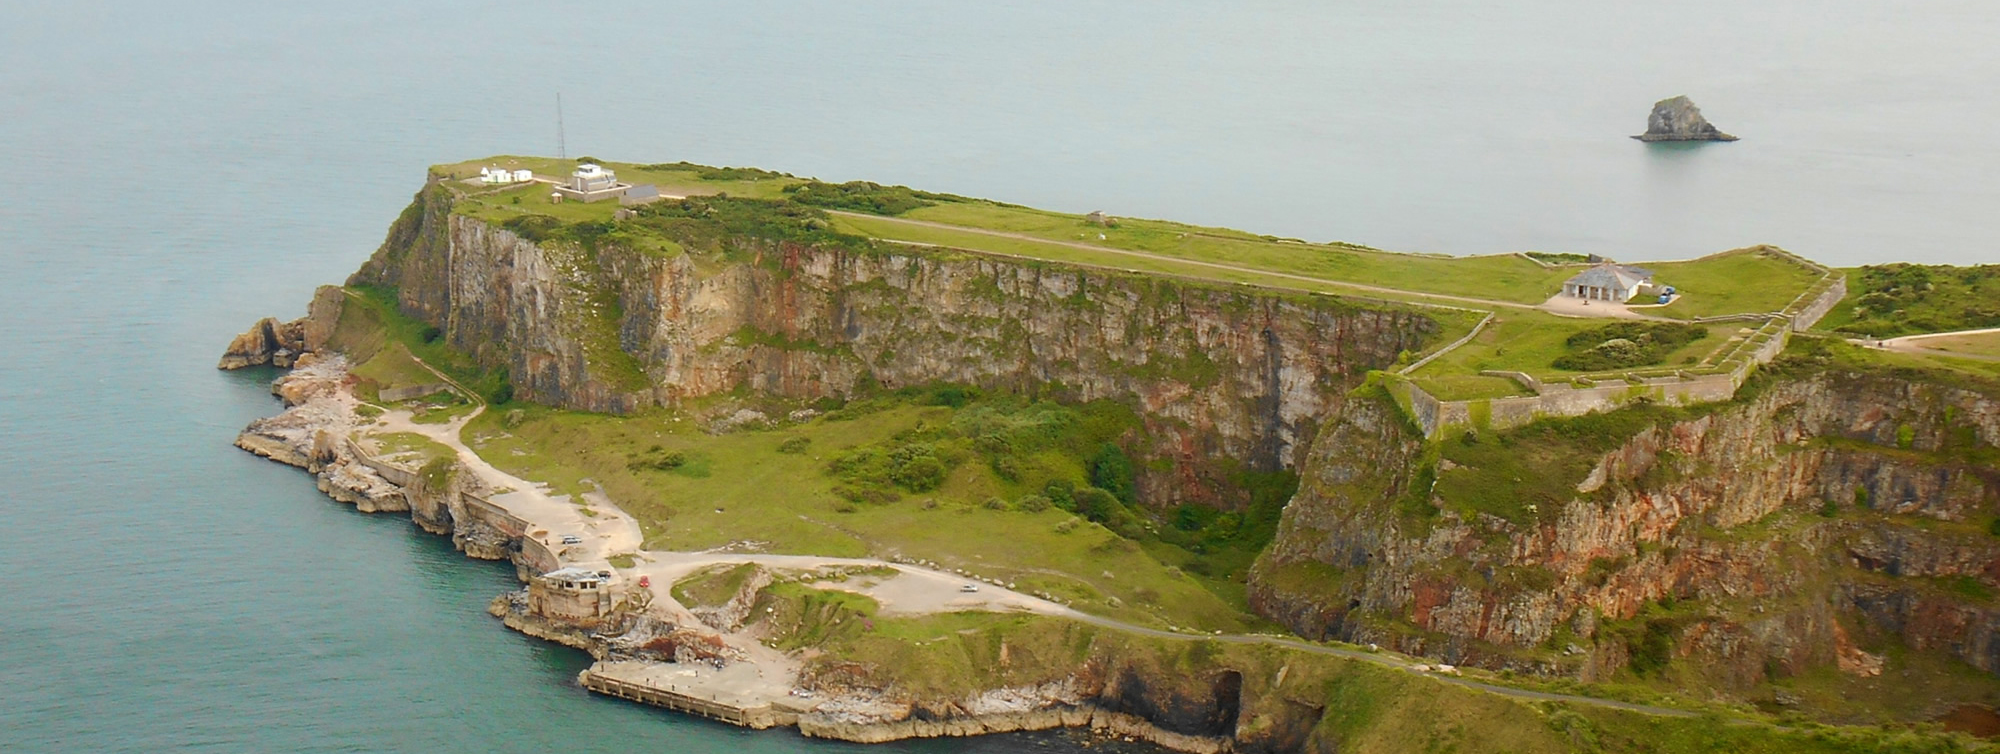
(592, 183)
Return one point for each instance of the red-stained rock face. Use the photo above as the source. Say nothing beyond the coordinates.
(1733, 538)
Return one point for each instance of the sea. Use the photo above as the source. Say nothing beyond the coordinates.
(175, 170)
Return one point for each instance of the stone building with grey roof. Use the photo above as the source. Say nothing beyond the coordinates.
(1609, 282)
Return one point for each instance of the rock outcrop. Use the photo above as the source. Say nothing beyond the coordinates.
(1827, 500)
(1217, 372)
(280, 344)
(1677, 119)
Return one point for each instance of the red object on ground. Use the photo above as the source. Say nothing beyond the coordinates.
(646, 581)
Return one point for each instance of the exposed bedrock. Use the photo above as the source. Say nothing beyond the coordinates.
(1765, 526)
(1677, 119)
(1218, 372)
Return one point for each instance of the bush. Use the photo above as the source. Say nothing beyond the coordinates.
(1111, 471)
(1097, 505)
(1037, 504)
(864, 196)
(1061, 493)
(795, 445)
(658, 460)
(1829, 509)
(1623, 345)
(921, 473)
(994, 504)
(431, 334)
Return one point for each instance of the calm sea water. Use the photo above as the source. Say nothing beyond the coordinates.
(175, 170)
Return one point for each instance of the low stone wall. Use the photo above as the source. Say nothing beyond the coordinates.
(394, 394)
(397, 474)
(1566, 399)
(1811, 313)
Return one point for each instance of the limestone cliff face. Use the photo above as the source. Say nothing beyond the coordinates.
(1722, 518)
(1217, 372)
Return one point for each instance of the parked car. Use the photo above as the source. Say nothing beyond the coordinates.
(571, 539)
(969, 588)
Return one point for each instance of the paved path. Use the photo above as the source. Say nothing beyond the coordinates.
(1915, 344)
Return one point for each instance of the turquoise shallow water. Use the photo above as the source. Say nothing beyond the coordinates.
(176, 170)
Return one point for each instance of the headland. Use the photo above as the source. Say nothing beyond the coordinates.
(881, 463)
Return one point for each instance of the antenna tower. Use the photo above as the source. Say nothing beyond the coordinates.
(562, 148)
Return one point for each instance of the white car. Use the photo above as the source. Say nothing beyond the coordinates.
(969, 588)
(571, 539)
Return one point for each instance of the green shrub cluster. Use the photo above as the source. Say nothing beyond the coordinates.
(657, 459)
(1900, 299)
(865, 196)
(711, 173)
(719, 222)
(1623, 345)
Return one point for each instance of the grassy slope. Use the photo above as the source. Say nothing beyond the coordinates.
(1365, 707)
(1905, 299)
(1504, 277)
(1731, 283)
(738, 486)
(1529, 341)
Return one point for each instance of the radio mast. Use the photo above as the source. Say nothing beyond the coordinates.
(562, 148)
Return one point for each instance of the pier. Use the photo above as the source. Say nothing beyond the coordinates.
(758, 716)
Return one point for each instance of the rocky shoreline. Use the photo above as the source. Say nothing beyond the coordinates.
(317, 433)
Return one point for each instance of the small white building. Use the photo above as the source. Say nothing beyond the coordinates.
(504, 176)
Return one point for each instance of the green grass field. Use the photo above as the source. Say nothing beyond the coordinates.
(1737, 282)
(1502, 277)
(1530, 341)
(740, 487)
(1905, 299)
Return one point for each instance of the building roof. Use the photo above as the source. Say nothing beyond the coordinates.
(573, 573)
(1612, 276)
(590, 169)
(643, 190)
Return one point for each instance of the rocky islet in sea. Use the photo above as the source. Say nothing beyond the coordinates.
(1677, 119)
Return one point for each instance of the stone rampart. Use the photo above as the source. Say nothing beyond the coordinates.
(1571, 399)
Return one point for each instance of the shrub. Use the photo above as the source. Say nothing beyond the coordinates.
(658, 460)
(1829, 509)
(1111, 471)
(921, 473)
(795, 445)
(1037, 504)
(1623, 345)
(951, 395)
(864, 196)
(1061, 492)
(1993, 527)
(1097, 505)
(431, 334)
(994, 504)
